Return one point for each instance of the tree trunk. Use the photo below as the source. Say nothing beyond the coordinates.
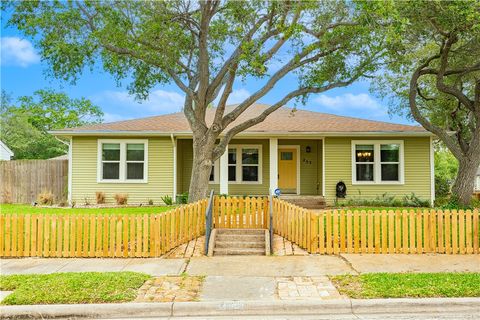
(464, 183)
(201, 168)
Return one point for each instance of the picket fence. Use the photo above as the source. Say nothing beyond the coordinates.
(324, 232)
(100, 235)
(240, 212)
(393, 231)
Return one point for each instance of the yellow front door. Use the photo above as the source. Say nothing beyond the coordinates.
(287, 170)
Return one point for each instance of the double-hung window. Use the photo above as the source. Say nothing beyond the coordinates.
(245, 164)
(122, 160)
(377, 162)
(214, 173)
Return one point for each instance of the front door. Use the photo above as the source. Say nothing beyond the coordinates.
(287, 170)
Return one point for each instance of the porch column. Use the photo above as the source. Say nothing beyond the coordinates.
(224, 172)
(273, 164)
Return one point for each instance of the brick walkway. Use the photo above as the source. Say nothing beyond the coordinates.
(169, 289)
(306, 288)
(194, 248)
(283, 247)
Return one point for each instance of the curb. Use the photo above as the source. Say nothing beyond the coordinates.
(222, 308)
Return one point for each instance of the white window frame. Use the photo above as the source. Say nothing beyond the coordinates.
(239, 164)
(216, 173)
(123, 161)
(377, 164)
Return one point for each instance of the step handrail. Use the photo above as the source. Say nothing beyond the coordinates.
(208, 221)
(270, 225)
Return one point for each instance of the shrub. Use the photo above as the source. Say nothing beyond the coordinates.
(386, 200)
(62, 204)
(45, 198)
(167, 200)
(182, 198)
(121, 198)
(86, 202)
(100, 196)
(452, 203)
(150, 202)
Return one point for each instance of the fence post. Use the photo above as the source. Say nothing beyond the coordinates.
(270, 206)
(208, 221)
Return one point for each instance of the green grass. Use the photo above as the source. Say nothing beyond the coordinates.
(408, 285)
(22, 208)
(74, 287)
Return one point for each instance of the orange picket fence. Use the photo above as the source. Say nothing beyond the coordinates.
(240, 212)
(393, 231)
(100, 235)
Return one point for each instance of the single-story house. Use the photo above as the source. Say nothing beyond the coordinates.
(5, 152)
(300, 152)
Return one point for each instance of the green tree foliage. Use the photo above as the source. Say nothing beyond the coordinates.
(25, 124)
(433, 74)
(204, 47)
(446, 167)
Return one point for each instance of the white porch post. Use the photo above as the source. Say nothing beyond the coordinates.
(273, 164)
(224, 172)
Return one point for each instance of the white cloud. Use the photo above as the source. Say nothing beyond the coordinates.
(16, 51)
(158, 102)
(238, 96)
(349, 102)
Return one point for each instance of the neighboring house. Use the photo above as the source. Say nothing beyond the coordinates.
(62, 157)
(301, 152)
(5, 152)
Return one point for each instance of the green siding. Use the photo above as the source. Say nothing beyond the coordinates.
(338, 166)
(310, 165)
(84, 173)
(185, 169)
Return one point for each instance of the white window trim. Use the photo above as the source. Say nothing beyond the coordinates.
(239, 165)
(123, 161)
(216, 172)
(377, 163)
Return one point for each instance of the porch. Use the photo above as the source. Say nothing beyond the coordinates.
(259, 166)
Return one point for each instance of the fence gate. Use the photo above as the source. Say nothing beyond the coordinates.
(240, 212)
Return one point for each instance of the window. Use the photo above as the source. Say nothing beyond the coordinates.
(232, 164)
(122, 161)
(214, 173)
(286, 155)
(244, 164)
(250, 164)
(377, 162)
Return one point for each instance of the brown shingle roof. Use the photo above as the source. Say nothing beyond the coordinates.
(283, 120)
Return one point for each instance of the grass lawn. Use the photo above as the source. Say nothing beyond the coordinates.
(25, 208)
(74, 287)
(408, 285)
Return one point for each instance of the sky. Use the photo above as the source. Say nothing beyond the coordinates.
(23, 72)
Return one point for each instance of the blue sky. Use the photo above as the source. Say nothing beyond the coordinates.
(22, 73)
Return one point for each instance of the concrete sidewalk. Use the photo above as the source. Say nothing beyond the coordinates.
(152, 266)
(252, 266)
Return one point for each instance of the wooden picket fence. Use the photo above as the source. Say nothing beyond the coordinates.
(240, 212)
(100, 235)
(399, 231)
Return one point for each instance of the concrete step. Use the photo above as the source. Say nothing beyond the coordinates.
(239, 244)
(307, 202)
(238, 251)
(240, 237)
(241, 231)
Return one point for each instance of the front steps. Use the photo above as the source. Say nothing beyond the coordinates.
(307, 202)
(239, 242)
